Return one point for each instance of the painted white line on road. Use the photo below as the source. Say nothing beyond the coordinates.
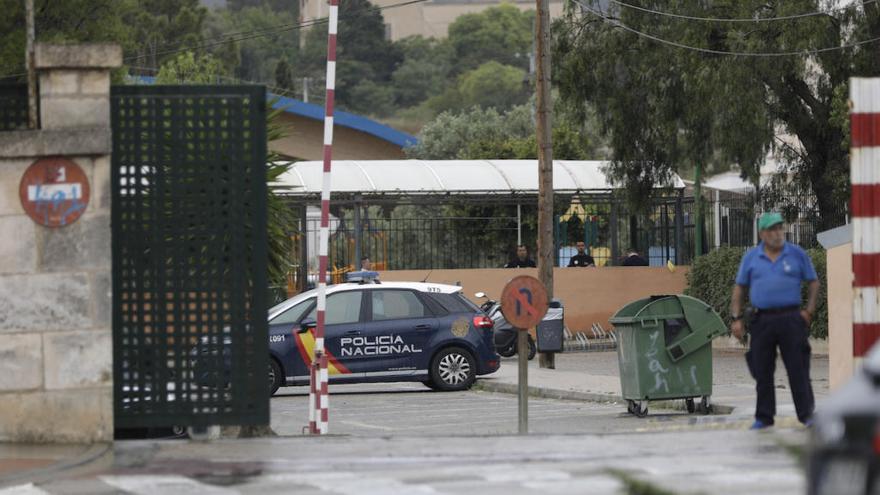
(28, 489)
(352, 483)
(365, 425)
(160, 485)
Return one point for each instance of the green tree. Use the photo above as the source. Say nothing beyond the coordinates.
(255, 58)
(187, 68)
(283, 77)
(448, 136)
(423, 73)
(161, 28)
(502, 34)
(480, 133)
(663, 107)
(491, 85)
(494, 85)
(61, 21)
(363, 53)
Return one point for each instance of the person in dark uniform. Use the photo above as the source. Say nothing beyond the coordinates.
(773, 272)
(582, 258)
(522, 259)
(633, 259)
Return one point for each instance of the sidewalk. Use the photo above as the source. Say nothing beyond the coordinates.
(594, 376)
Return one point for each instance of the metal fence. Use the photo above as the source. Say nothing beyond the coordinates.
(464, 233)
(13, 107)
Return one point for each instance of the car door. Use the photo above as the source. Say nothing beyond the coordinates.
(283, 342)
(396, 333)
(343, 322)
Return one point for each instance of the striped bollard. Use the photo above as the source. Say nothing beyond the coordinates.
(319, 395)
(865, 212)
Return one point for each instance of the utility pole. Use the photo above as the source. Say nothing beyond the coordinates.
(29, 61)
(546, 243)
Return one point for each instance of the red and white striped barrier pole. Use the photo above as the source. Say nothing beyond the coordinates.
(865, 211)
(319, 396)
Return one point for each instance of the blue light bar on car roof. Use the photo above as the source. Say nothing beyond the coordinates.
(363, 277)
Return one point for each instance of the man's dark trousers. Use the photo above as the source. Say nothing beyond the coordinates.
(789, 332)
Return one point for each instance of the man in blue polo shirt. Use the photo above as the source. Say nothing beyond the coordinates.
(773, 272)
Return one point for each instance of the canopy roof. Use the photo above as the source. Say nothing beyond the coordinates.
(447, 176)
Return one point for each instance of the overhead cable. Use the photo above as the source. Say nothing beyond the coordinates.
(741, 19)
(657, 39)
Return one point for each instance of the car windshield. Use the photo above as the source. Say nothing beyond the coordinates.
(292, 301)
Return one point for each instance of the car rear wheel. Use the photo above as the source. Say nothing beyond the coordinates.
(453, 369)
(274, 376)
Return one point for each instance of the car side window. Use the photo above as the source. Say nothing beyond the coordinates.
(342, 307)
(396, 304)
(293, 314)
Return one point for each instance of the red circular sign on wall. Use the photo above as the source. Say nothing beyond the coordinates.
(54, 191)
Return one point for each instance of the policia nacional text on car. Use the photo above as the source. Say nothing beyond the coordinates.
(773, 272)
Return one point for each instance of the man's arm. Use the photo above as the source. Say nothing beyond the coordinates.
(812, 299)
(736, 311)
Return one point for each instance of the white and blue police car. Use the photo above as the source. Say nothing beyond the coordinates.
(383, 332)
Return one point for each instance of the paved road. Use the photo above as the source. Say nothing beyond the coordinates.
(413, 410)
(685, 462)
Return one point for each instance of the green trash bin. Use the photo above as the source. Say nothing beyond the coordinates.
(664, 351)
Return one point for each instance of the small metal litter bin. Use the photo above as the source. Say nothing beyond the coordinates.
(551, 330)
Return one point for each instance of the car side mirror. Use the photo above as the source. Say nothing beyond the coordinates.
(306, 325)
(480, 295)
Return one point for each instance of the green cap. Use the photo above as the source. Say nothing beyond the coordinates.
(769, 219)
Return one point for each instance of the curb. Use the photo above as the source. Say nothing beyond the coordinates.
(551, 393)
(93, 455)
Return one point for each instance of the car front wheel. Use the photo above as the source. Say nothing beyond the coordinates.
(274, 376)
(453, 369)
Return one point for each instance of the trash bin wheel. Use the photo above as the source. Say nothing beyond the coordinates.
(641, 408)
(706, 405)
(690, 406)
(630, 406)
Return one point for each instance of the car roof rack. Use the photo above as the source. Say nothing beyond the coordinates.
(363, 277)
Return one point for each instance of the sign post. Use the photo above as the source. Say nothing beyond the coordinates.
(523, 304)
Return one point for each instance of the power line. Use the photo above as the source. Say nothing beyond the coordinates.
(742, 19)
(814, 51)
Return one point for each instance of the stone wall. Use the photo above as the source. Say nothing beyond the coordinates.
(55, 283)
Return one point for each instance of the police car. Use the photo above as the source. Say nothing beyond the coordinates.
(383, 332)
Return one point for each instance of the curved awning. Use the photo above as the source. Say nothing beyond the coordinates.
(448, 176)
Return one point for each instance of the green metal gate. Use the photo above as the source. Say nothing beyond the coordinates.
(190, 339)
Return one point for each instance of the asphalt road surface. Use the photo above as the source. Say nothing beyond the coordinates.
(412, 409)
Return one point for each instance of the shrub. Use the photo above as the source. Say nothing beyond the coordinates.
(712, 276)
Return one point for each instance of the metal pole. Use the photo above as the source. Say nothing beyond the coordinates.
(717, 226)
(518, 224)
(358, 233)
(319, 415)
(304, 249)
(865, 191)
(698, 212)
(29, 61)
(545, 163)
(615, 248)
(679, 227)
(522, 350)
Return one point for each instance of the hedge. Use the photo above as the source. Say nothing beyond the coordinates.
(712, 276)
